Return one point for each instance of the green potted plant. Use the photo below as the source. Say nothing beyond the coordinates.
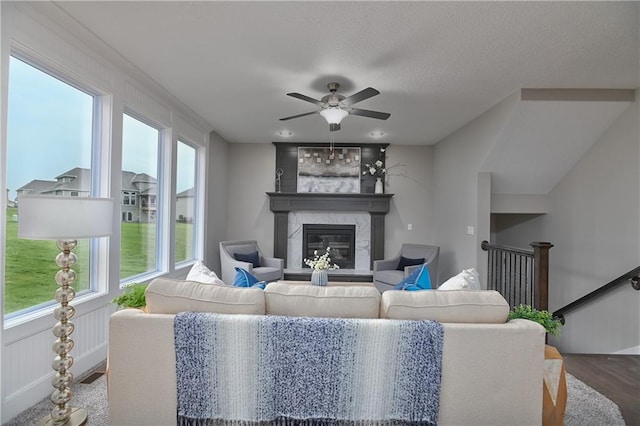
(132, 297)
(542, 317)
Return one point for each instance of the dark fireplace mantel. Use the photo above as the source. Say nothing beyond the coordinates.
(281, 203)
(315, 201)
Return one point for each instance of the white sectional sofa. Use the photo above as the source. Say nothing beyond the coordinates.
(492, 370)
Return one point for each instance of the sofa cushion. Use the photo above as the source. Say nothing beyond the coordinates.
(169, 296)
(453, 306)
(200, 273)
(245, 279)
(267, 273)
(252, 258)
(306, 300)
(390, 276)
(405, 261)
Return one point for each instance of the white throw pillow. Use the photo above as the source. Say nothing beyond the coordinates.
(472, 278)
(457, 282)
(200, 273)
(468, 279)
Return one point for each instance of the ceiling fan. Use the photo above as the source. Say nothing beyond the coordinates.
(335, 107)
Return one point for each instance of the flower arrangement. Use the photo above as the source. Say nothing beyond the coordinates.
(375, 169)
(321, 262)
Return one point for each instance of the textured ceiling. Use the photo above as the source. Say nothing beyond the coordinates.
(437, 65)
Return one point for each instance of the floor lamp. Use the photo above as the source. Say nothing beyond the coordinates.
(64, 219)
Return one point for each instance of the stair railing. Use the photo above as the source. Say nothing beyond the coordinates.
(632, 277)
(521, 276)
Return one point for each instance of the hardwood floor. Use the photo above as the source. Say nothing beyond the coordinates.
(615, 376)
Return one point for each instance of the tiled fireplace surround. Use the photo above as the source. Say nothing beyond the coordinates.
(366, 211)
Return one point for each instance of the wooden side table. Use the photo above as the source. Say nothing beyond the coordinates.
(554, 390)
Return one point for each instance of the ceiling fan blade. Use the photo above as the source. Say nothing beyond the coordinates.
(360, 96)
(299, 115)
(334, 127)
(306, 98)
(371, 114)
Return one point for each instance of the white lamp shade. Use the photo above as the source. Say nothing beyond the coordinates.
(45, 217)
(333, 115)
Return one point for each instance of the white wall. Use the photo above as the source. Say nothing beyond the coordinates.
(457, 160)
(593, 224)
(217, 195)
(251, 174)
(593, 221)
(412, 186)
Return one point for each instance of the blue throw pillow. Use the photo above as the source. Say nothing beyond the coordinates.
(418, 280)
(244, 279)
(405, 261)
(253, 258)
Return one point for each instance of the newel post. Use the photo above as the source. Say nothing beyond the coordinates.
(541, 273)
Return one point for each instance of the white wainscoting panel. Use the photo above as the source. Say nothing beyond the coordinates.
(27, 371)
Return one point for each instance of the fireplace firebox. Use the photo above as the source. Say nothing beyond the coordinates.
(340, 238)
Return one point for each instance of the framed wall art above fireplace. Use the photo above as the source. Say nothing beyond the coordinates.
(329, 170)
(287, 167)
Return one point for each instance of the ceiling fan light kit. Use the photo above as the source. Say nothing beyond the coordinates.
(335, 107)
(334, 115)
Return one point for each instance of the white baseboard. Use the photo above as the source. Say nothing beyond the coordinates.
(634, 350)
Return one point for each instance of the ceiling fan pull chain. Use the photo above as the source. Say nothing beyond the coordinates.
(331, 144)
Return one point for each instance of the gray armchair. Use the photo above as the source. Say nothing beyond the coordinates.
(385, 272)
(270, 269)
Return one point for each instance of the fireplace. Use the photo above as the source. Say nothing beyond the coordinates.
(340, 238)
(289, 208)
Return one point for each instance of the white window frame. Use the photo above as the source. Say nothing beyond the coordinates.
(98, 278)
(161, 265)
(197, 200)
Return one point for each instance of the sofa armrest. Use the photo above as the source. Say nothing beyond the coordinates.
(272, 262)
(141, 369)
(385, 264)
(247, 266)
(228, 269)
(507, 359)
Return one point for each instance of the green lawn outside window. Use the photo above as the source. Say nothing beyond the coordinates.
(30, 266)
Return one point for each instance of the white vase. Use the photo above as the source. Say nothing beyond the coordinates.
(319, 277)
(379, 186)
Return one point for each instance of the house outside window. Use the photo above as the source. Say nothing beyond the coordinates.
(139, 250)
(186, 190)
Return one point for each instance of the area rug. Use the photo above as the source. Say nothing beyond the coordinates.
(585, 406)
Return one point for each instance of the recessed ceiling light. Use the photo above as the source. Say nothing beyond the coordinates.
(285, 133)
(377, 134)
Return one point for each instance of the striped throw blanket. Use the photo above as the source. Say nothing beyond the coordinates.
(259, 370)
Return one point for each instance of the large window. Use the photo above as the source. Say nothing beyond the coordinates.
(139, 251)
(185, 203)
(49, 151)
